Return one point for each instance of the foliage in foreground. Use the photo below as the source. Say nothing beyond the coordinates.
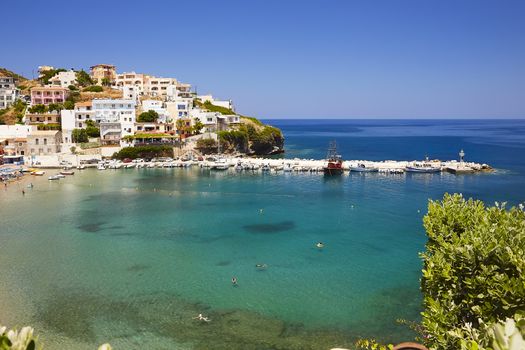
(24, 340)
(474, 272)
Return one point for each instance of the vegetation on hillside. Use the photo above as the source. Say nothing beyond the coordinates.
(13, 114)
(474, 272)
(93, 88)
(48, 74)
(8, 73)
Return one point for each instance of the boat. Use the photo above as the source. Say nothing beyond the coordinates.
(220, 164)
(54, 177)
(364, 169)
(60, 176)
(38, 173)
(238, 166)
(335, 163)
(101, 167)
(81, 167)
(287, 168)
(266, 167)
(67, 172)
(422, 168)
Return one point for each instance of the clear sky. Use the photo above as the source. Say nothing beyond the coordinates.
(294, 59)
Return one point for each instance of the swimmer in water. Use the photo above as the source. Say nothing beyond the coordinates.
(261, 266)
(320, 245)
(234, 281)
(200, 317)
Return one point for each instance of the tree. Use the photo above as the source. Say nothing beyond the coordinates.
(55, 107)
(207, 146)
(69, 105)
(79, 135)
(38, 109)
(105, 82)
(83, 79)
(72, 88)
(148, 117)
(197, 126)
(92, 129)
(473, 275)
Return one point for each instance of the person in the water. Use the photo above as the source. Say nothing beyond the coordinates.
(261, 266)
(234, 281)
(319, 245)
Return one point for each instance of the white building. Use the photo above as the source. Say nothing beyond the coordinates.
(115, 111)
(67, 122)
(157, 106)
(145, 84)
(64, 79)
(214, 121)
(179, 109)
(221, 103)
(8, 91)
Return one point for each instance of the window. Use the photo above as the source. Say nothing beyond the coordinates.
(79, 125)
(181, 106)
(45, 141)
(49, 150)
(36, 141)
(32, 150)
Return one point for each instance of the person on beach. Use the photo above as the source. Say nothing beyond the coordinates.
(234, 281)
(23, 193)
(200, 317)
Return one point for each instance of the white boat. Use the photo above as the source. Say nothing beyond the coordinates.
(60, 176)
(287, 168)
(422, 169)
(54, 177)
(38, 173)
(67, 172)
(81, 167)
(101, 167)
(362, 168)
(239, 166)
(220, 164)
(265, 167)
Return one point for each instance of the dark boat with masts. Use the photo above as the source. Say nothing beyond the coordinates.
(335, 163)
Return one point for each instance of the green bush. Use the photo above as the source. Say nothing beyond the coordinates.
(49, 127)
(207, 146)
(93, 88)
(144, 152)
(79, 135)
(148, 117)
(72, 88)
(38, 109)
(474, 271)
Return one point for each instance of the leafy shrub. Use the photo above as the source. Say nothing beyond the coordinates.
(207, 146)
(474, 271)
(83, 79)
(148, 117)
(234, 139)
(94, 88)
(79, 135)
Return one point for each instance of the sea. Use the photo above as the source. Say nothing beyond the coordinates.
(130, 257)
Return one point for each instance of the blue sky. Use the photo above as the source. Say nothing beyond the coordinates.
(294, 59)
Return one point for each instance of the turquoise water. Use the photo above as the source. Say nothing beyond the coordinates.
(130, 256)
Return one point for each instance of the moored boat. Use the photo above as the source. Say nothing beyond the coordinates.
(67, 172)
(364, 169)
(335, 163)
(54, 177)
(38, 173)
(422, 168)
(220, 164)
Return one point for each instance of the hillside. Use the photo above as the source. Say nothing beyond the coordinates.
(251, 136)
(7, 72)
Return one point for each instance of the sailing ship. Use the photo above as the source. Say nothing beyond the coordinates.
(335, 163)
